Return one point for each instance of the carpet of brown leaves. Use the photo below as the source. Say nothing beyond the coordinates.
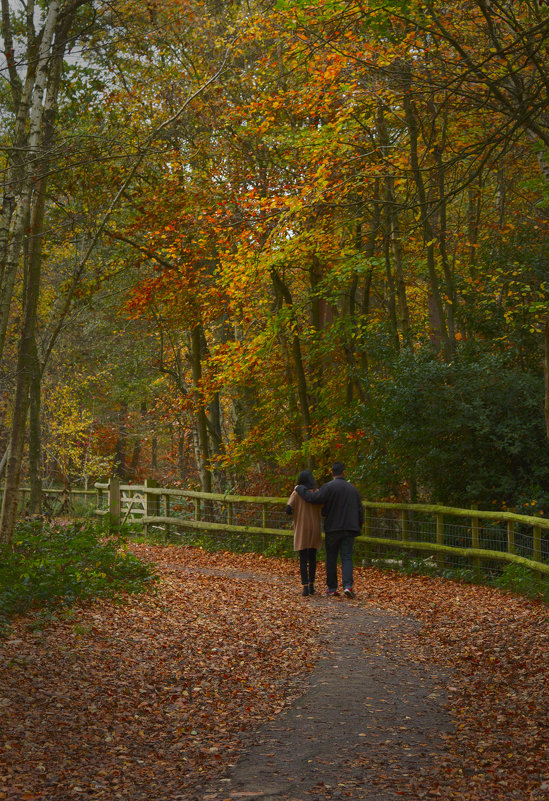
(145, 700)
(497, 647)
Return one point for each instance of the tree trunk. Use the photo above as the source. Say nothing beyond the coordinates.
(37, 114)
(35, 439)
(202, 447)
(411, 122)
(25, 368)
(31, 209)
(546, 371)
(284, 296)
(390, 295)
(120, 461)
(154, 453)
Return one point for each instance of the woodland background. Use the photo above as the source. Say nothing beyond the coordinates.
(238, 238)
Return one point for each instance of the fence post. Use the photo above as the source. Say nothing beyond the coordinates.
(368, 533)
(114, 501)
(403, 524)
(440, 539)
(151, 503)
(475, 541)
(511, 536)
(537, 547)
(167, 511)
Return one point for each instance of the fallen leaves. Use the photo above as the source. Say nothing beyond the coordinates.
(497, 648)
(152, 699)
(137, 701)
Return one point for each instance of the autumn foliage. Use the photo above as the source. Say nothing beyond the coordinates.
(260, 211)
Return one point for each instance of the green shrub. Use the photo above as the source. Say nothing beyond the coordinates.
(471, 431)
(523, 581)
(51, 565)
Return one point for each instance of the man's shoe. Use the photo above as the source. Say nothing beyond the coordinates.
(332, 593)
(348, 593)
(311, 589)
(305, 591)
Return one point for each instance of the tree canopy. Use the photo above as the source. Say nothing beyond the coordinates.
(238, 238)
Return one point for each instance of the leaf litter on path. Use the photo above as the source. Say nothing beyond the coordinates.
(151, 699)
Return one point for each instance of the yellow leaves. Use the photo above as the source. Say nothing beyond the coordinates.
(69, 429)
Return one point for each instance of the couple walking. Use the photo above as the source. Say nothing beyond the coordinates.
(338, 502)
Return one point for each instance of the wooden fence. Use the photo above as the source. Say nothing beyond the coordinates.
(57, 500)
(449, 536)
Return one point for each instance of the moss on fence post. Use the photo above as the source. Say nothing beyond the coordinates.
(475, 541)
(440, 539)
(536, 550)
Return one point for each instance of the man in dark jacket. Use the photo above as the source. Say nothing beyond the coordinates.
(343, 519)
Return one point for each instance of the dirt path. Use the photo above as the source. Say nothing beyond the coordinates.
(368, 726)
(370, 721)
(226, 685)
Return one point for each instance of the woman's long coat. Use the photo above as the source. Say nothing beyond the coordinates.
(306, 519)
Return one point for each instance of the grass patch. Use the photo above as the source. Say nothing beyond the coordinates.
(51, 565)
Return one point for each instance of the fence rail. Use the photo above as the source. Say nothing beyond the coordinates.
(56, 500)
(451, 536)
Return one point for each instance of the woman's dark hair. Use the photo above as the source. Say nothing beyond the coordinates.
(307, 479)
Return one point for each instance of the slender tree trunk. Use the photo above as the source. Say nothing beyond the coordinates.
(449, 283)
(546, 371)
(17, 440)
(403, 314)
(31, 208)
(38, 115)
(154, 453)
(3, 460)
(181, 467)
(26, 360)
(473, 224)
(137, 443)
(120, 461)
(284, 296)
(202, 443)
(398, 307)
(428, 232)
(35, 439)
(369, 248)
(390, 294)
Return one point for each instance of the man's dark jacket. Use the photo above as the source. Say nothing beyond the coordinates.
(342, 507)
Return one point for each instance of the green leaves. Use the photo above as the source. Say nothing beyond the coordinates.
(470, 431)
(59, 564)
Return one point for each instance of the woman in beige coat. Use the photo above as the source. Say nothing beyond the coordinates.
(307, 535)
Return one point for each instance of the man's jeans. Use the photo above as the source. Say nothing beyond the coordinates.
(339, 542)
